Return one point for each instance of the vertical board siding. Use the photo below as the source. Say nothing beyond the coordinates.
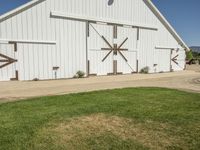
(146, 49)
(69, 53)
(38, 60)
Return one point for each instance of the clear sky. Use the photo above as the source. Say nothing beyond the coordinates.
(184, 16)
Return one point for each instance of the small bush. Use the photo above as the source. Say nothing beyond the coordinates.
(144, 70)
(36, 79)
(75, 76)
(79, 74)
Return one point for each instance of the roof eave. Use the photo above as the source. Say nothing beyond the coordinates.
(167, 24)
(19, 9)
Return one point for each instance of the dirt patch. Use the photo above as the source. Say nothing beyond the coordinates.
(193, 67)
(75, 132)
(178, 80)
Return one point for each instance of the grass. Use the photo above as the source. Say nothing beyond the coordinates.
(131, 118)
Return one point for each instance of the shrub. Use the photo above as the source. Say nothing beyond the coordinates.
(144, 70)
(79, 74)
(189, 55)
(36, 79)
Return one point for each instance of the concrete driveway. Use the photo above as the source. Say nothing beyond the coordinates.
(184, 80)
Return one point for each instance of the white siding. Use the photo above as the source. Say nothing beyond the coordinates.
(37, 60)
(146, 48)
(69, 53)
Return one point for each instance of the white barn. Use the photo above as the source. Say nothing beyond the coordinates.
(99, 37)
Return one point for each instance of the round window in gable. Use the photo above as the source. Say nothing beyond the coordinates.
(110, 2)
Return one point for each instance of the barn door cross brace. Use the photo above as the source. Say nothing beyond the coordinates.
(7, 60)
(113, 48)
(138, 34)
(174, 59)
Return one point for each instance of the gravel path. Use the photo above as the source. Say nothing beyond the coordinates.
(184, 80)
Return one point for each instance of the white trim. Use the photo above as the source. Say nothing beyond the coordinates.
(7, 41)
(4, 42)
(19, 9)
(95, 19)
(164, 47)
(169, 48)
(167, 24)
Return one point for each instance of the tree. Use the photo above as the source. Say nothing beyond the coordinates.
(196, 55)
(189, 55)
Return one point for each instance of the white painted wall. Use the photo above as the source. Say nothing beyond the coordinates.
(69, 53)
(38, 60)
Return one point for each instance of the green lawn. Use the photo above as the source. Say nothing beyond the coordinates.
(131, 118)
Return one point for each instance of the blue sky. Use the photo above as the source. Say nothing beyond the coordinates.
(184, 16)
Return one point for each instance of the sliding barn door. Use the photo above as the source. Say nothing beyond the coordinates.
(162, 60)
(127, 62)
(7, 62)
(178, 60)
(111, 49)
(100, 36)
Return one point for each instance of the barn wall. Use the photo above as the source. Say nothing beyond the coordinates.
(38, 60)
(135, 11)
(69, 53)
(123, 10)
